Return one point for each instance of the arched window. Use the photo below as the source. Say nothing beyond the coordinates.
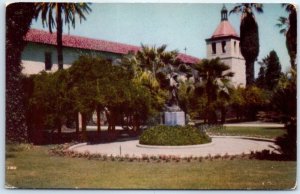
(48, 61)
(234, 46)
(224, 46)
(213, 47)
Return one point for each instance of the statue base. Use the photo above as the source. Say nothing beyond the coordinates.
(173, 115)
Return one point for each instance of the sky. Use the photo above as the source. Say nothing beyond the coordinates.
(179, 25)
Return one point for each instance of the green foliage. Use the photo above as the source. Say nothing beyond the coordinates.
(173, 135)
(153, 59)
(289, 29)
(248, 101)
(50, 98)
(284, 98)
(270, 72)
(185, 95)
(163, 67)
(143, 77)
(18, 21)
(214, 85)
(84, 83)
(261, 78)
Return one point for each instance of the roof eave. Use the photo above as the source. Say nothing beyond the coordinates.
(222, 37)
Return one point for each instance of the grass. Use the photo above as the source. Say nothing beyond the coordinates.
(35, 168)
(262, 132)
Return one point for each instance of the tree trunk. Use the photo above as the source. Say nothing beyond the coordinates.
(223, 114)
(38, 126)
(98, 121)
(113, 121)
(76, 123)
(137, 123)
(59, 125)
(84, 135)
(59, 36)
(108, 118)
(249, 73)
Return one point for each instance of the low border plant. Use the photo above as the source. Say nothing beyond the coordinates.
(63, 151)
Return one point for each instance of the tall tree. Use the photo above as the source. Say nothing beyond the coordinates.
(214, 83)
(18, 21)
(270, 72)
(249, 43)
(289, 29)
(261, 78)
(64, 13)
(273, 71)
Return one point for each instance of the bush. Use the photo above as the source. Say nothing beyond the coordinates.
(173, 135)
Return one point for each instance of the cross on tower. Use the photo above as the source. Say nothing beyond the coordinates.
(185, 50)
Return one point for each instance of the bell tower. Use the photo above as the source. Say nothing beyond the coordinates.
(225, 44)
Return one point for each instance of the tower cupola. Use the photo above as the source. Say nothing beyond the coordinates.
(224, 13)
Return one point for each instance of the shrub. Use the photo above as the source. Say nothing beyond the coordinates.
(173, 135)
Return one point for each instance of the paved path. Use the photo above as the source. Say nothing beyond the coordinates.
(255, 124)
(220, 145)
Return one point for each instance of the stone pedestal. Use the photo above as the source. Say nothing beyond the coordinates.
(173, 115)
(174, 118)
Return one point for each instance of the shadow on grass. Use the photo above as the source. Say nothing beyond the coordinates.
(268, 155)
(287, 147)
(10, 155)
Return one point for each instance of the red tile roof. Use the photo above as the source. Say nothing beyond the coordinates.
(188, 58)
(44, 37)
(224, 29)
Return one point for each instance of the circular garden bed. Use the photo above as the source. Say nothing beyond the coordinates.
(173, 136)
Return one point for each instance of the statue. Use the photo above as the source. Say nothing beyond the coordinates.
(172, 104)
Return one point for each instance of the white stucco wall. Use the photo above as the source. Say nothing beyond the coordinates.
(231, 50)
(33, 57)
(35, 67)
(231, 57)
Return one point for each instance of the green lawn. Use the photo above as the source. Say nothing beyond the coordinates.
(35, 168)
(263, 132)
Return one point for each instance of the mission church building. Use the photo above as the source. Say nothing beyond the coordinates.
(225, 44)
(40, 52)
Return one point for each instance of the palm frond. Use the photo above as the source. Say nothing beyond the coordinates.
(258, 7)
(69, 10)
(288, 7)
(284, 24)
(237, 9)
(162, 48)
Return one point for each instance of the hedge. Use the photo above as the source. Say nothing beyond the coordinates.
(173, 135)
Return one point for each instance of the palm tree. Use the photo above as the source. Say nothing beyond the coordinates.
(249, 43)
(149, 57)
(214, 82)
(69, 11)
(161, 63)
(289, 29)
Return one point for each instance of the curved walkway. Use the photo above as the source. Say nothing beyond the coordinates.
(220, 146)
